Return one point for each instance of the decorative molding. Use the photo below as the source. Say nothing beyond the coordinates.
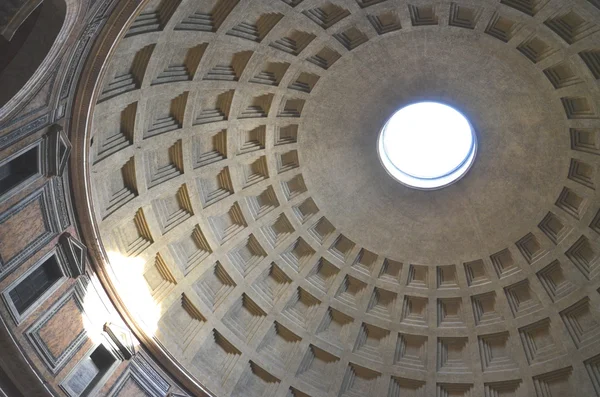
(58, 150)
(44, 197)
(19, 317)
(56, 363)
(83, 45)
(138, 376)
(76, 254)
(121, 340)
(142, 363)
(60, 204)
(23, 131)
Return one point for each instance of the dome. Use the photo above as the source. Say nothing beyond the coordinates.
(269, 220)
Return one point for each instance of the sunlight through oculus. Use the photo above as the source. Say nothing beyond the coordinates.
(427, 145)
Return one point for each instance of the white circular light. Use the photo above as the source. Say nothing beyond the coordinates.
(427, 145)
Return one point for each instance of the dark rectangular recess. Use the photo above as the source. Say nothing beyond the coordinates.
(90, 371)
(19, 169)
(32, 287)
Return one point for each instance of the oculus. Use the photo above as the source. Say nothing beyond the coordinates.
(427, 145)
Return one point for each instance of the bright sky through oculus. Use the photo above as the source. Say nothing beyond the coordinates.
(427, 145)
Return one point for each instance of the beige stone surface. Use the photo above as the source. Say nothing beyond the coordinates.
(238, 193)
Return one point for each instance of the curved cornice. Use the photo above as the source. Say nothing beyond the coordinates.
(85, 98)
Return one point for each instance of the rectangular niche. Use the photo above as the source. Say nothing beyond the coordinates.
(297, 255)
(391, 271)
(246, 255)
(555, 383)
(294, 187)
(317, 368)
(29, 290)
(168, 114)
(20, 169)
(504, 264)
(571, 27)
(280, 345)
(256, 382)
(271, 73)
(322, 275)
(585, 139)
(335, 327)
(90, 373)
(121, 189)
(278, 230)
(216, 357)
(359, 381)
(271, 284)
(592, 59)
(215, 186)
(341, 248)
(305, 210)
(263, 203)
(385, 22)
(287, 134)
(172, 210)
(115, 132)
(227, 225)
(294, 42)
(153, 18)
(502, 28)
(190, 250)
(453, 355)
(476, 273)
(351, 38)
(411, 351)
(208, 17)
(324, 58)
(418, 276)
(301, 308)
(350, 291)
(244, 318)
